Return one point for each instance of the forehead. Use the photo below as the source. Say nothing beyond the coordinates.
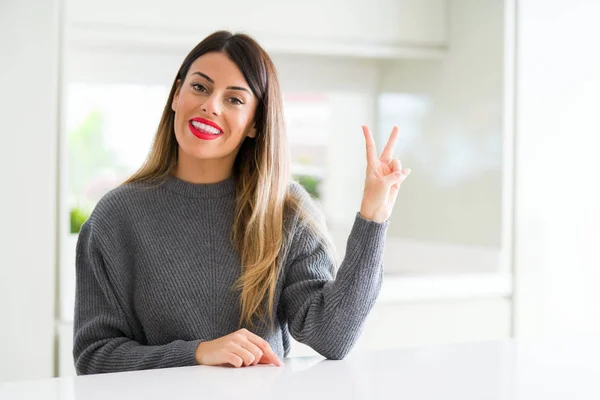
(219, 68)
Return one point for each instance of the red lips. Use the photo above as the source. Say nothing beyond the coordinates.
(207, 122)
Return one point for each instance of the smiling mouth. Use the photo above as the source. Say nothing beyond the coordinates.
(203, 132)
(204, 128)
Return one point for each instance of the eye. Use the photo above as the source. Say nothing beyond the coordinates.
(236, 101)
(199, 87)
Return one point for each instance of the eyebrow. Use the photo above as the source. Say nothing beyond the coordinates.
(208, 78)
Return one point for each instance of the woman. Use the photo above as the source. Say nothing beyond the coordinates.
(210, 254)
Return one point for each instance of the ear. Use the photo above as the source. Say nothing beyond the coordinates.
(176, 96)
(252, 132)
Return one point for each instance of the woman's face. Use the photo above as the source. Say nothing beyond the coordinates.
(214, 109)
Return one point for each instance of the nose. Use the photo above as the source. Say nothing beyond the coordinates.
(212, 105)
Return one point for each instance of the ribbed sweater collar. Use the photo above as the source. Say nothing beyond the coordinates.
(199, 190)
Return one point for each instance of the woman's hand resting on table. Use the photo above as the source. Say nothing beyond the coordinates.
(240, 348)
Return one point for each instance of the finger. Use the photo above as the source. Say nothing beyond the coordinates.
(234, 360)
(256, 352)
(268, 353)
(395, 177)
(396, 186)
(395, 165)
(388, 151)
(370, 146)
(246, 355)
(265, 360)
(265, 347)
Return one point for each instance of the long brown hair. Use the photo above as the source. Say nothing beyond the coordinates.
(261, 171)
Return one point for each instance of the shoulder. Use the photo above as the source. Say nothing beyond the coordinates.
(108, 231)
(300, 200)
(298, 192)
(120, 204)
(296, 189)
(122, 198)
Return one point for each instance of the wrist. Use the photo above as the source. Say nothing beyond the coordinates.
(372, 217)
(199, 353)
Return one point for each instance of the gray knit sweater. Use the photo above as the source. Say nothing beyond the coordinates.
(155, 269)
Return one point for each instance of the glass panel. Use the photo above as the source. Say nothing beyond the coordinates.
(110, 128)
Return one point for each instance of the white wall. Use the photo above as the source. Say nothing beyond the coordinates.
(28, 158)
(557, 261)
(377, 28)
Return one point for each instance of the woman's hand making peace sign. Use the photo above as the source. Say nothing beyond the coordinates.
(384, 176)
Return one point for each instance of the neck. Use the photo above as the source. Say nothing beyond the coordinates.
(194, 170)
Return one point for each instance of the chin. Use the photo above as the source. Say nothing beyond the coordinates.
(200, 153)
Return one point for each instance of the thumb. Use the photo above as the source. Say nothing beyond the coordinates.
(397, 177)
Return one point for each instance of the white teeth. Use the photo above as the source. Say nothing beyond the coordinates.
(206, 128)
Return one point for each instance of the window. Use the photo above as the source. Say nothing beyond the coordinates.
(110, 129)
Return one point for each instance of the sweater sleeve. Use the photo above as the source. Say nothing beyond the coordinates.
(324, 313)
(103, 337)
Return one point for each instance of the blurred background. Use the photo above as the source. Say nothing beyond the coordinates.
(494, 236)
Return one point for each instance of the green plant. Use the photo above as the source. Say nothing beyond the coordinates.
(310, 183)
(78, 217)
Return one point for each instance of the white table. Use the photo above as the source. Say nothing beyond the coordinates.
(524, 369)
